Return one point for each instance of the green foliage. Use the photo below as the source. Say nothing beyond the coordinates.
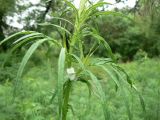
(146, 74)
(73, 65)
(140, 55)
(127, 35)
(6, 6)
(33, 102)
(7, 73)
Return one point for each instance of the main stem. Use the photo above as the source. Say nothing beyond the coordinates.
(74, 39)
(67, 90)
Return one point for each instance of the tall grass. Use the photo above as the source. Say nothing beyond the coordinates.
(73, 65)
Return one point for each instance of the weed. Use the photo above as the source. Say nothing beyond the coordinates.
(72, 59)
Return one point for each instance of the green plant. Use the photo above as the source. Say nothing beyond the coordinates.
(73, 65)
(140, 55)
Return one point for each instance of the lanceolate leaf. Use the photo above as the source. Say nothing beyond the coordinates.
(111, 13)
(88, 102)
(110, 73)
(71, 5)
(28, 36)
(106, 13)
(102, 41)
(106, 45)
(19, 45)
(79, 61)
(14, 35)
(130, 82)
(126, 101)
(101, 94)
(61, 66)
(59, 18)
(57, 26)
(124, 72)
(25, 60)
(88, 85)
(95, 6)
(101, 61)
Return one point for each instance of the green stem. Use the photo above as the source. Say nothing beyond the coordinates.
(81, 49)
(67, 90)
(77, 27)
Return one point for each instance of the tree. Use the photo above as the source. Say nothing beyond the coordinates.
(148, 17)
(7, 6)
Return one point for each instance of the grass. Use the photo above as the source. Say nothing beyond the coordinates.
(33, 101)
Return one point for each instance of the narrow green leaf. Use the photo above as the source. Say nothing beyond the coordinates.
(14, 35)
(17, 46)
(124, 72)
(88, 85)
(101, 94)
(28, 36)
(107, 13)
(57, 26)
(79, 61)
(109, 50)
(61, 66)
(101, 61)
(59, 18)
(71, 5)
(25, 60)
(111, 13)
(102, 41)
(110, 73)
(95, 6)
(126, 101)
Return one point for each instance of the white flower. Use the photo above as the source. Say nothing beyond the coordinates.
(71, 73)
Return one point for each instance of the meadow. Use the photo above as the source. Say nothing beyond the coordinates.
(34, 100)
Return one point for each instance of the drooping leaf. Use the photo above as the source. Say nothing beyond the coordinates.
(101, 61)
(28, 36)
(63, 19)
(95, 6)
(101, 94)
(99, 13)
(113, 13)
(124, 72)
(71, 5)
(123, 93)
(110, 73)
(88, 85)
(15, 35)
(102, 41)
(18, 45)
(79, 61)
(25, 60)
(57, 26)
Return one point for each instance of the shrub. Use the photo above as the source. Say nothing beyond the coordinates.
(140, 55)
